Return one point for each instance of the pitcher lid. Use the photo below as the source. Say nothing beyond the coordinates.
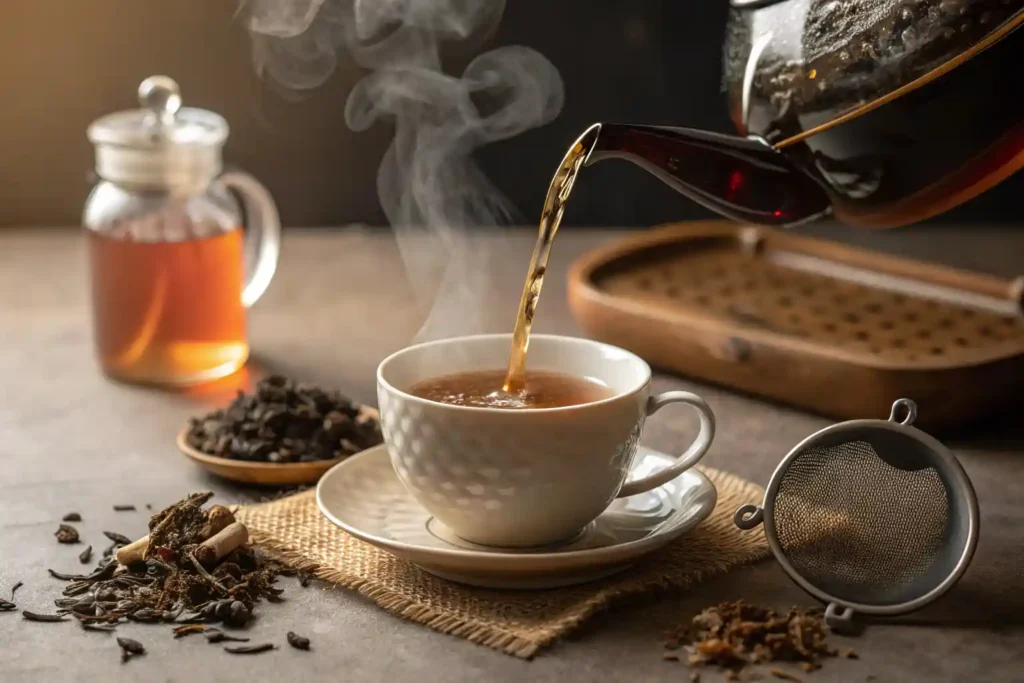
(162, 142)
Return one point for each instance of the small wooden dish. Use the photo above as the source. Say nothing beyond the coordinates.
(261, 473)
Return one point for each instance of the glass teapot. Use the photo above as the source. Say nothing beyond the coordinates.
(883, 112)
(172, 271)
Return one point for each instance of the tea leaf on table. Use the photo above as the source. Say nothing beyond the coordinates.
(32, 616)
(297, 641)
(66, 533)
(249, 649)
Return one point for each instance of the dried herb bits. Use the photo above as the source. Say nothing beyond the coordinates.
(130, 648)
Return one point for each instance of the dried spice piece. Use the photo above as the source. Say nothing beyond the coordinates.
(85, 555)
(124, 508)
(66, 534)
(32, 616)
(71, 517)
(284, 422)
(249, 649)
(297, 641)
(130, 648)
(733, 635)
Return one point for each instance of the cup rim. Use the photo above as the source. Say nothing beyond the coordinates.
(643, 382)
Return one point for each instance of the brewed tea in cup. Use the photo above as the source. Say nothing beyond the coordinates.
(530, 469)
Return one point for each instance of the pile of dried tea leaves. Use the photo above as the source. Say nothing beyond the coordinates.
(194, 569)
(284, 422)
(194, 566)
(733, 635)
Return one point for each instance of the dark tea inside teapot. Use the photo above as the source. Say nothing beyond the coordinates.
(882, 112)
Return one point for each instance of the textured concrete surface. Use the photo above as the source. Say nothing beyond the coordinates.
(71, 440)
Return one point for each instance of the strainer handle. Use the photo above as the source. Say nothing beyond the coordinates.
(692, 454)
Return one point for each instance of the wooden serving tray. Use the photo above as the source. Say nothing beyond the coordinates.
(833, 329)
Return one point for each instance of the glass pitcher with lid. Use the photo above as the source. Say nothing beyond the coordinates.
(172, 269)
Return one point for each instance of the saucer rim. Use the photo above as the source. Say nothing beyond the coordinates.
(609, 553)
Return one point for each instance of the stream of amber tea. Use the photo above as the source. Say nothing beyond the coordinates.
(550, 218)
(169, 312)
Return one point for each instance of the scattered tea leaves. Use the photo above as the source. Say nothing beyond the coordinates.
(71, 517)
(297, 641)
(85, 555)
(15, 587)
(105, 628)
(733, 635)
(32, 616)
(7, 606)
(66, 533)
(124, 508)
(249, 649)
(130, 648)
(149, 506)
(303, 578)
(117, 538)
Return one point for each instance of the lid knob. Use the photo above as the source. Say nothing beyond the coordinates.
(161, 96)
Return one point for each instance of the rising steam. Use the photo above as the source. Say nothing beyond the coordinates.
(427, 177)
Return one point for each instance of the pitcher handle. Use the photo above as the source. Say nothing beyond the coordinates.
(692, 454)
(263, 239)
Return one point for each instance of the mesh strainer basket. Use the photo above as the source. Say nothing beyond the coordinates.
(870, 516)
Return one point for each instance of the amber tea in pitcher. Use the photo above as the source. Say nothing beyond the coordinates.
(168, 311)
(166, 246)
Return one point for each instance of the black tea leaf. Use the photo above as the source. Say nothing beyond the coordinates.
(72, 517)
(32, 616)
(297, 641)
(85, 555)
(249, 649)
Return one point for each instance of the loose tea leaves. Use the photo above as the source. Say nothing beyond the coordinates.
(66, 534)
(15, 587)
(72, 517)
(249, 649)
(284, 422)
(297, 641)
(7, 606)
(85, 555)
(130, 648)
(733, 635)
(124, 508)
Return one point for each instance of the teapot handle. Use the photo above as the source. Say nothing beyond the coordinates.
(263, 239)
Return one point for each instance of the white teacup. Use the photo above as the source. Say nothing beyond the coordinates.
(525, 477)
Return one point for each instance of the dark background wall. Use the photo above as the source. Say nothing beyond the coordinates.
(64, 63)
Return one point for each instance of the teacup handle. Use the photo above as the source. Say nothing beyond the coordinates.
(693, 454)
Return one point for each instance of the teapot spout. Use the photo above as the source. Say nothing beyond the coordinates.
(745, 179)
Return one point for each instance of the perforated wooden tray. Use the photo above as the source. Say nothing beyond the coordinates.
(833, 329)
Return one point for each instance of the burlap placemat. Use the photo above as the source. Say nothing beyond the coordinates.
(516, 622)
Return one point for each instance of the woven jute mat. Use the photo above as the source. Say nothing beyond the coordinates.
(516, 622)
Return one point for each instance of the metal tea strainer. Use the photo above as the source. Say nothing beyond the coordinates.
(870, 516)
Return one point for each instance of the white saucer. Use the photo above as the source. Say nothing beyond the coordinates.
(363, 496)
